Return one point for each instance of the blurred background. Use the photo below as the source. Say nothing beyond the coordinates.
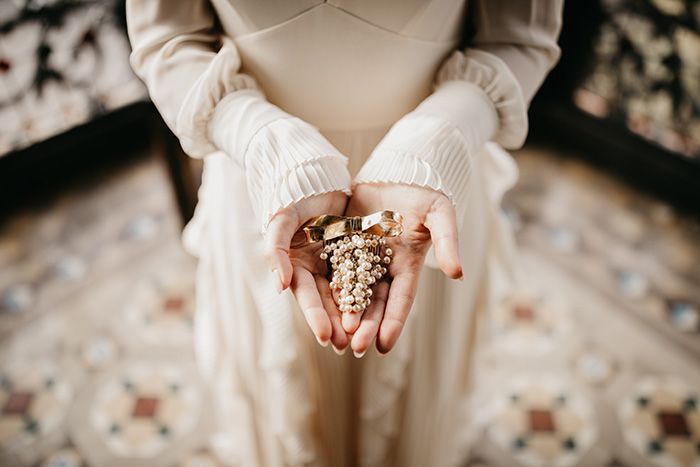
(595, 359)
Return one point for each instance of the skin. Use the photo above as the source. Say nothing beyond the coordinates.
(301, 269)
(429, 219)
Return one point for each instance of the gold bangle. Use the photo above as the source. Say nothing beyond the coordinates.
(328, 227)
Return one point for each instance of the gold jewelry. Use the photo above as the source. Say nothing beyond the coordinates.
(355, 250)
(327, 227)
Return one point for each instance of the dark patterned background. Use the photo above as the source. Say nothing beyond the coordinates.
(647, 71)
(61, 64)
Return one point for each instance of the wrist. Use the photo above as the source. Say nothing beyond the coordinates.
(426, 151)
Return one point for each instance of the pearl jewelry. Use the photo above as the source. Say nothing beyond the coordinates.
(357, 262)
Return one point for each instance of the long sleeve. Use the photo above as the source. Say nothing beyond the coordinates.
(480, 94)
(193, 76)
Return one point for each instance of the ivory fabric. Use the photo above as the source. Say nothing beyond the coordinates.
(289, 98)
(285, 159)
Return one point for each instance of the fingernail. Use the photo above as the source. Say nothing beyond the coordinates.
(359, 354)
(323, 343)
(337, 350)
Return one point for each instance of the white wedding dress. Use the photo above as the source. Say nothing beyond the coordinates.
(288, 98)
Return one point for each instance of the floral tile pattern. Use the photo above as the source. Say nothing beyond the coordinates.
(629, 247)
(541, 421)
(661, 421)
(140, 411)
(161, 313)
(593, 361)
(524, 322)
(35, 398)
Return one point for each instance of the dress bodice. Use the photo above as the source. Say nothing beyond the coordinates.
(431, 20)
(343, 65)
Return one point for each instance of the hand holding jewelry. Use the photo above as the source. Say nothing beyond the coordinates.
(355, 251)
(428, 219)
(300, 269)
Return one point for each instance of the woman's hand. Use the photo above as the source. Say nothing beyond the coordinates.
(429, 218)
(302, 270)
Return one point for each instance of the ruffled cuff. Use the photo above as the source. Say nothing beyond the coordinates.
(491, 74)
(433, 146)
(285, 159)
(220, 79)
(427, 151)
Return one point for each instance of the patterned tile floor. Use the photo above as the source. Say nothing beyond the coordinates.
(594, 361)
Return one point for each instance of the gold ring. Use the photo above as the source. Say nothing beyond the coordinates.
(327, 227)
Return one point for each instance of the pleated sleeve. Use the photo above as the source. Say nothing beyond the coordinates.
(193, 75)
(481, 94)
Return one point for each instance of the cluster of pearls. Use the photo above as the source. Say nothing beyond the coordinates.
(357, 263)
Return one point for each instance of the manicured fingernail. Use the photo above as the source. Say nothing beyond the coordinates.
(337, 350)
(323, 343)
(359, 354)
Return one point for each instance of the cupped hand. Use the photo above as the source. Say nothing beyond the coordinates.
(429, 219)
(301, 269)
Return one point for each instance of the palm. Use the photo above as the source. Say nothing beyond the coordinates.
(428, 219)
(307, 257)
(302, 270)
